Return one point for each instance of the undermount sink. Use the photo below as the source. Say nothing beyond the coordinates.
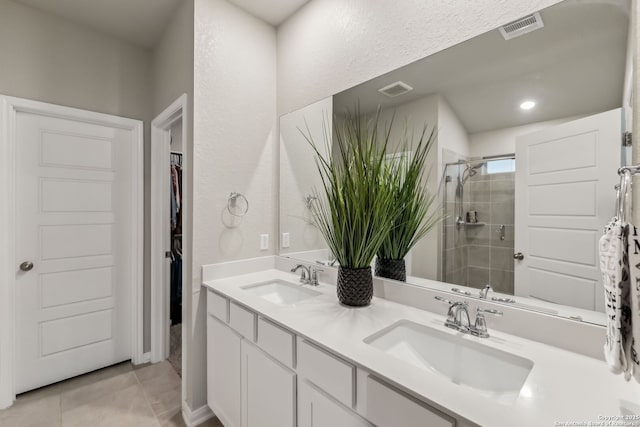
(491, 372)
(281, 292)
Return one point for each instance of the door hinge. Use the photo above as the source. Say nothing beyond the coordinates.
(627, 139)
(167, 254)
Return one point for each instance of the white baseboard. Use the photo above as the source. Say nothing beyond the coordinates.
(146, 358)
(196, 417)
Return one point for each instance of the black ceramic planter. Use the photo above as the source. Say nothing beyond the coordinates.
(355, 286)
(391, 269)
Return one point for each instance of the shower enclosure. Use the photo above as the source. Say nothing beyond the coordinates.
(478, 199)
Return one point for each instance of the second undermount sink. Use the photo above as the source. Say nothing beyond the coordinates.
(491, 372)
(281, 292)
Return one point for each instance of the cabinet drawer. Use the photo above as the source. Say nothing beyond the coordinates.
(387, 407)
(276, 341)
(218, 306)
(333, 375)
(243, 321)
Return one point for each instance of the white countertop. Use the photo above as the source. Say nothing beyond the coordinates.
(562, 386)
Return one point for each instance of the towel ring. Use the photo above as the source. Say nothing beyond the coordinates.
(233, 198)
(309, 199)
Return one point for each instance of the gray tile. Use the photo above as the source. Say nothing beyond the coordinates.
(44, 412)
(502, 176)
(460, 257)
(508, 241)
(478, 256)
(126, 408)
(96, 376)
(479, 192)
(502, 213)
(478, 235)
(172, 418)
(502, 281)
(162, 386)
(76, 382)
(502, 259)
(503, 191)
(478, 277)
(84, 394)
(450, 260)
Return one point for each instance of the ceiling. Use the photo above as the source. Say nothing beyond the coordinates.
(573, 66)
(140, 22)
(272, 11)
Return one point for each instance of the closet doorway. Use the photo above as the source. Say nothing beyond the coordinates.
(168, 160)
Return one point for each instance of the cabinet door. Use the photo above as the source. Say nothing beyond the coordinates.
(315, 409)
(223, 372)
(269, 390)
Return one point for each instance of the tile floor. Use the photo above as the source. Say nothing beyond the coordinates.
(118, 396)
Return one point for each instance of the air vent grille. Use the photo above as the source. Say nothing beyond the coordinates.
(522, 26)
(395, 89)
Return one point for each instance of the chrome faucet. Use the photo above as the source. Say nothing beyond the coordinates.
(485, 291)
(313, 277)
(305, 274)
(479, 329)
(458, 318)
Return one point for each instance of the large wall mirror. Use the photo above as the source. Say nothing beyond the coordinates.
(530, 120)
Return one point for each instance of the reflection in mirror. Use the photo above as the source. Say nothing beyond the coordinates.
(529, 130)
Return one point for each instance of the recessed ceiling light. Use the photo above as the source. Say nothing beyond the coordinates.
(527, 105)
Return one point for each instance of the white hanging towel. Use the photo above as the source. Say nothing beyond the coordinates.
(615, 274)
(633, 356)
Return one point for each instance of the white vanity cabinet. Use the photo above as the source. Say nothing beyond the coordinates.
(317, 409)
(246, 387)
(223, 372)
(260, 374)
(269, 390)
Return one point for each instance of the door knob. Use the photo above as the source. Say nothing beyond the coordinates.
(26, 266)
(519, 256)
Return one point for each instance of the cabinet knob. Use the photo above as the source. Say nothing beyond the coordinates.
(519, 256)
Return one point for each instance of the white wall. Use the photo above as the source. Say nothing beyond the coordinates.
(50, 59)
(173, 60)
(503, 141)
(234, 147)
(452, 135)
(299, 175)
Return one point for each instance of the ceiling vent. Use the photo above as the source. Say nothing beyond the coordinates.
(395, 89)
(521, 26)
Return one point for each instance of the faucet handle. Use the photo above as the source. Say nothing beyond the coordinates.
(303, 274)
(444, 300)
(313, 280)
(489, 311)
(480, 327)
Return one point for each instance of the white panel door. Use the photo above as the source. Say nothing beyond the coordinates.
(565, 178)
(268, 390)
(73, 207)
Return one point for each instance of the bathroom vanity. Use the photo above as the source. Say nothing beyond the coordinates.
(283, 354)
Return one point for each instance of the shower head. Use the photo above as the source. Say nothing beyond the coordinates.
(470, 170)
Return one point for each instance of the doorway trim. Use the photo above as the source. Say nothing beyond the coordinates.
(160, 147)
(9, 107)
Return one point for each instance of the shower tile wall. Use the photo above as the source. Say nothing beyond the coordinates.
(490, 259)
